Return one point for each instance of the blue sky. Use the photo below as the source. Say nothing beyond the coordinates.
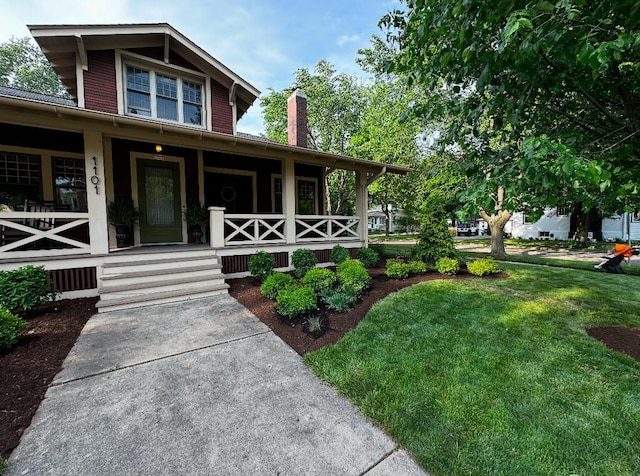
(263, 41)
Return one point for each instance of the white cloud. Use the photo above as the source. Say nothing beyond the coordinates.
(344, 39)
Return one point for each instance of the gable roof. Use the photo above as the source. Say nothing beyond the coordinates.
(61, 44)
(21, 93)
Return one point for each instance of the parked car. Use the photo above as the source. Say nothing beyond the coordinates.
(467, 229)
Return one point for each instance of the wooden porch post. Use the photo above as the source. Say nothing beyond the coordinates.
(289, 205)
(362, 199)
(216, 226)
(96, 196)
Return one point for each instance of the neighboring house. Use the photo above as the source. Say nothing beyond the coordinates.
(557, 224)
(153, 119)
(377, 220)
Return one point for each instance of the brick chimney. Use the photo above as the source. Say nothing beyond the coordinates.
(297, 127)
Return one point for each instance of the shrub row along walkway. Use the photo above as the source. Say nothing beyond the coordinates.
(201, 387)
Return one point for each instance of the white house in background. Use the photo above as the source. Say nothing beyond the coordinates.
(556, 224)
(377, 220)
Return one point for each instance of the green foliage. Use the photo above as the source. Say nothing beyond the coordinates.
(274, 283)
(483, 266)
(397, 268)
(303, 260)
(352, 274)
(26, 288)
(434, 241)
(122, 211)
(261, 265)
(339, 299)
(417, 267)
(319, 279)
(447, 266)
(314, 324)
(196, 214)
(339, 254)
(294, 301)
(368, 257)
(10, 327)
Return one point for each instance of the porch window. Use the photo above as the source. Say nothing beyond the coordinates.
(69, 180)
(20, 176)
(306, 195)
(163, 96)
(277, 195)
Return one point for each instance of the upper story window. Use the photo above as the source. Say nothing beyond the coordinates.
(163, 96)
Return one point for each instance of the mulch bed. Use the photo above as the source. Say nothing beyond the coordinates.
(27, 370)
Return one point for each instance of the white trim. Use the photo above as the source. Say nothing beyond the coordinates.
(273, 192)
(80, 81)
(133, 162)
(308, 179)
(247, 173)
(161, 66)
(120, 82)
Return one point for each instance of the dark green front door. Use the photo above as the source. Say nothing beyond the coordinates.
(159, 200)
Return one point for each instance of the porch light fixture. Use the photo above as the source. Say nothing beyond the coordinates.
(158, 148)
(158, 154)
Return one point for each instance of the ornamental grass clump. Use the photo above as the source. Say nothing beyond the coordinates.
(352, 274)
(275, 283)
(482, 267)
(339, 299)
(261, 265)
(303, 260)
(339, 254)
(293, 302)
(319, 279)
(367, 257)
(448, 266)
(10, 328)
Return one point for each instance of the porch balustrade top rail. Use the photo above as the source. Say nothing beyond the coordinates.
(326, 227)
(25, 229)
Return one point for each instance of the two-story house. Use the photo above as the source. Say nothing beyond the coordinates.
(153, 122)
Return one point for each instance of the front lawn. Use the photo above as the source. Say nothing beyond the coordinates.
(498, 376)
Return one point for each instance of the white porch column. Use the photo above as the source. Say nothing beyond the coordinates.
(289, 205)
(96, 197)
(216, 226)
(362, 199)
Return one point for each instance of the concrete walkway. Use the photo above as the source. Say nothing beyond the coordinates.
(196, 388)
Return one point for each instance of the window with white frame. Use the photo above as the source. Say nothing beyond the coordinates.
(163, 96)
(306, 195)
(20, 175)
(70, 184)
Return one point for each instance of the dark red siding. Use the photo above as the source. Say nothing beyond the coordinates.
(222, 120)
(100, 82)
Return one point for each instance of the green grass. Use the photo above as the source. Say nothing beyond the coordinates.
(498, 376)
(380, 237)
(3, 465)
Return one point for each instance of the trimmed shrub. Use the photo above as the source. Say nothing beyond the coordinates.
(417, 267)
(481, 267)
(10, 327)
(447, 266)
(319, 279)
(368, 257)
(339, 254)
(339, 299)
(397, 269)
(434, 239)
(25, 288)
(261, 265)
(352, 274)
(276, 282)
(293, 301)
(303, 260)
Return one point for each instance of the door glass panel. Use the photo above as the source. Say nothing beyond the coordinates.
(159, 194)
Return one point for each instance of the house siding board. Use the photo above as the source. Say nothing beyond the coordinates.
(221, 112)
(39, 138)
(100, 93)
(157, 53)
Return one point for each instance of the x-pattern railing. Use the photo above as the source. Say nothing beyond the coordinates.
(326, 227)
(254, 229)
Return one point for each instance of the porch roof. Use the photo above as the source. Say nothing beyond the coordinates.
(61, 44)
(55, 116)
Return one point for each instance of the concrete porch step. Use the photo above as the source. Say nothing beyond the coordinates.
(146, 282)
(158, 270)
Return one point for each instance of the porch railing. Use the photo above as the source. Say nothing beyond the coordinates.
(26, 234)
(326, 227)
(254, 229)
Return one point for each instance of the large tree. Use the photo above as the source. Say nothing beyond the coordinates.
(522, 81)
(23, 66)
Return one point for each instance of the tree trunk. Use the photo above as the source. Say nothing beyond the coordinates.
(496, 223)
(385, 210)
(582, 223)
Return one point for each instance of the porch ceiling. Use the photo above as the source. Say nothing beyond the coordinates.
(35, 113)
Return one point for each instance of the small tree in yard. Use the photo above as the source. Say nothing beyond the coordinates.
(434, 239)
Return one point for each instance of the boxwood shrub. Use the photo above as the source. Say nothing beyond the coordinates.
(10, 327)
(339, 254)
(303, 260)
(276, 282)
(25, 288)
(367, 257)
(319, 279)
(481, 267)
(261, 265)
(352, 274)
(294, 301)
